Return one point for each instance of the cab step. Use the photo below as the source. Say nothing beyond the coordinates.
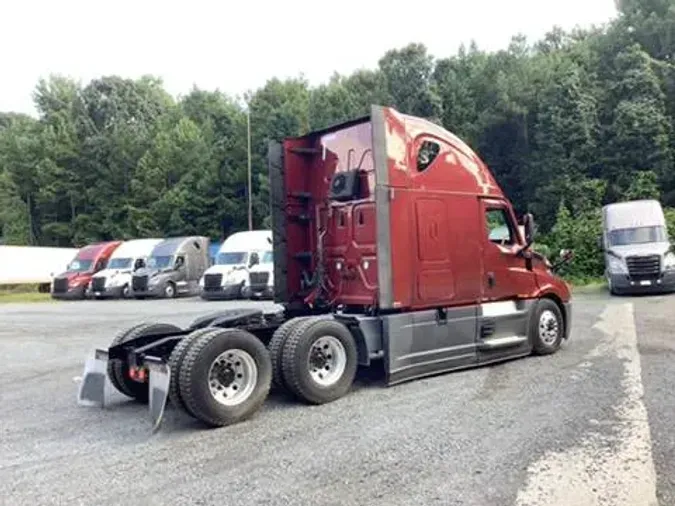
(501, 342)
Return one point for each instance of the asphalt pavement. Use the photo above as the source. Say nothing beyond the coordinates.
(593, 424)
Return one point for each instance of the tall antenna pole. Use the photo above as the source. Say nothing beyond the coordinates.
(250, 200)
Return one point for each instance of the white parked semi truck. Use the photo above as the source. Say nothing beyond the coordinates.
(115, 280)
(260, 281)
(638, 255)
(238, 254)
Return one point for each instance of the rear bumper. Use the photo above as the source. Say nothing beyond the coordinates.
(76, 293)
(621, 283)
(224, 292)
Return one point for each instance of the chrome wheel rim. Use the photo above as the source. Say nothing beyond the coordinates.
(548, 327)
(327, 361)
(232, 377)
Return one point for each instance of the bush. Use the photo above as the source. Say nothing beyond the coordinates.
(670, 221)
(580, 234)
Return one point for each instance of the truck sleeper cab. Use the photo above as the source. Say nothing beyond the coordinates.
(115, 280)
(239, 253)
(392, 241)
(638, 255)
(74, 282)
(173, 268)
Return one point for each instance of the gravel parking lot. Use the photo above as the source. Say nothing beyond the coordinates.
(592, 424)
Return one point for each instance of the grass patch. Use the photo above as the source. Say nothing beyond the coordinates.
(6, 297)
(23, 293)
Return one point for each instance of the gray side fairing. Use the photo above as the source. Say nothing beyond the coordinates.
(423, 343)
(427, 342)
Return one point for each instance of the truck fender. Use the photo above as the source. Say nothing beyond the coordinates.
(224, 318)
(367, 333)
(547, 292)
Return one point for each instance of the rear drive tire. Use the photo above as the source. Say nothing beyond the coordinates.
(175, 362)
(547, 328)
(119, 369)
(225, 376)
(276, 346)
(113, 366)
(320, 360)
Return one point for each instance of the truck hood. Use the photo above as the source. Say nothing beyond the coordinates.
(111, 273)
(262, 268)
(74, 275)
(225, 269)
(653, 248)
(151, 273)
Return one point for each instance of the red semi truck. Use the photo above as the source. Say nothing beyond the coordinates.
(73, 283)
(392, 242)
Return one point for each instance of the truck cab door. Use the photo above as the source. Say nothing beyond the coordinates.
(507, 285)
(505, 272)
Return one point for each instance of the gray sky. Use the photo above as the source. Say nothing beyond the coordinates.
(229, 46)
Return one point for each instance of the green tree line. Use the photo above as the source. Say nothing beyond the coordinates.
(566, 124)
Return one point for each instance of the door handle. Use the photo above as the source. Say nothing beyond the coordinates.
(491, 279)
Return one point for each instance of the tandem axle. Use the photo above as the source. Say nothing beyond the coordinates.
(221, 367)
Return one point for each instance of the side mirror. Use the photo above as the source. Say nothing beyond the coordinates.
(566, 255)
(528, 225)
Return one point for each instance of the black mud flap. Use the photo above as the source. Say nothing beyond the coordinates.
(95, 386)
(159, 379)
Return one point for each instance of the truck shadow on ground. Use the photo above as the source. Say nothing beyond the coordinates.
(177, 422)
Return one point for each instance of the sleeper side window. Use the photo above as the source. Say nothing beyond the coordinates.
(426, 154)
(499, 227)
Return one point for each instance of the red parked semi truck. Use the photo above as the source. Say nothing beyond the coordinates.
(393, 242)
(73, 283)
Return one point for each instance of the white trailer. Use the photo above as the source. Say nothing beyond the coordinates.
(32, 264)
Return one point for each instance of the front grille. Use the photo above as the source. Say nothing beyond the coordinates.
(98, 284)
(60, 285)
(644, 266)
(212, 281)
(259, 278)
(139, 283)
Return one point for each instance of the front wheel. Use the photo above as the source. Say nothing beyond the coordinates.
(547, 328)
(225, 376)
(169, 291)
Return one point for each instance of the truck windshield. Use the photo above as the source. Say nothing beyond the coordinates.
(637, 235)
(80, 265)
(231, 258)
(119, 263)
(159, 262)
(267, 258)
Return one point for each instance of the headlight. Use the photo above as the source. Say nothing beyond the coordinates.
(669, 262)
(616, 265)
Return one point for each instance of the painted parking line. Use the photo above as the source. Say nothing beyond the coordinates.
(615, 470)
